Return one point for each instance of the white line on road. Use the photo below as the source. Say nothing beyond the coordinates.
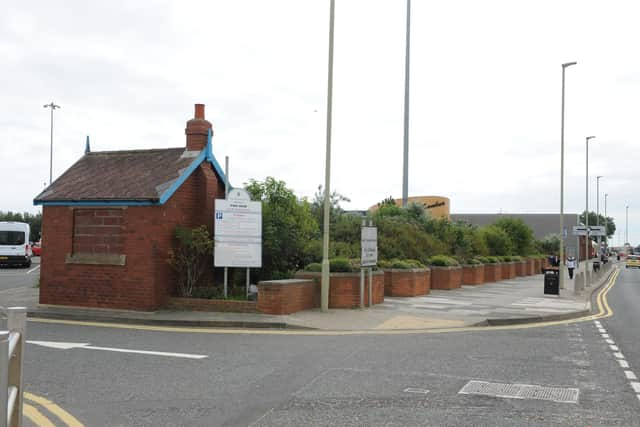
(602, 330)
(33, 269)
(605, 335)
(87, 346)
(630, 375)
(636, 387)
(623, 363)
(618, 355)
(610, 341)
(415, 390)
(614, 347)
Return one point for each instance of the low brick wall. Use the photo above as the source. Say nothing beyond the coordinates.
(203, 304)
(492, 273)
(530, 267)
(473, 274)
(344, 288)
(521, 268)
(446, 277)
(287, 296)
(407, 283)
(508, 270)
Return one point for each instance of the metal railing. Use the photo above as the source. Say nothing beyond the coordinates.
(11, 357)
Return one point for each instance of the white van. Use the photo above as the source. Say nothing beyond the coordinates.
(14, 243)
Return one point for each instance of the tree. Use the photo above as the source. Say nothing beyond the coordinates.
(190, 257)
(287, 228)
(520, 234)
(550, 244)
(594, 219)
(317, 205)
(497, 240)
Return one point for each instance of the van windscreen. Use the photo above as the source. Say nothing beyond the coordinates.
(11, 237)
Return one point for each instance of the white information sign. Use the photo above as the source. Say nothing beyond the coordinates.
(579, 230)
(597, 230)
(593, 230)
(369, 245)
(238, 231)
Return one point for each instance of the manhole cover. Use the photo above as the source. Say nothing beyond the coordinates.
(521, 391)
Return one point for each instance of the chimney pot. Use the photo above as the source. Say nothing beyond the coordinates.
(199, 114)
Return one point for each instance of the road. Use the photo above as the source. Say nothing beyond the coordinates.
(260, 379)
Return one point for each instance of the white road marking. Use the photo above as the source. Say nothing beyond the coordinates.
(33, 269)
(602, 330)
(415, 390)
(614, 347)
(630, 375)
(623, 363)
(87, 346)
(610, 341)
(605, 335)
(597, 322)
(618, 355)
(635, 386)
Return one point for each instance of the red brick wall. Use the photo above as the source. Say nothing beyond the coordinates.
(472, 274)
(521, 268)
(146, 280)
(288, 296)
(344, 288)
(98, 231)
(406, 283)
(446, 277)
(492, 273)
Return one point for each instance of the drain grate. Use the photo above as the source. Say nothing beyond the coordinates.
(521, 391)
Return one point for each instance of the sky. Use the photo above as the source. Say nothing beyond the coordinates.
(485, 95)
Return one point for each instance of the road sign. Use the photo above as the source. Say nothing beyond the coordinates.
(238, 231)
(597, 230)
(579, 230)
(369, 245)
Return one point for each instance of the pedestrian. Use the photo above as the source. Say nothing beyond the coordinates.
(571, 265)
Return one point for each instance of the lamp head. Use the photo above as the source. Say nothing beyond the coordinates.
(590, 137)
(568, 64)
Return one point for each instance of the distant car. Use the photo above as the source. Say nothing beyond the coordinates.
(633, 261)
(36, 249)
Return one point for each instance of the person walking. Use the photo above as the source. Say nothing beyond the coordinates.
(571, 265)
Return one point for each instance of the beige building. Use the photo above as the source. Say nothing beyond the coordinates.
(437, 206)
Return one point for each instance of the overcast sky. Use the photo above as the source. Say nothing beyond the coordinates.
(485, 95)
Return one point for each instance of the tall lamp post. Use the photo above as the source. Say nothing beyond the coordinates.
(626, 227)
(598, 208)
(53, 107)
(586, 219)
(324, 285)
(405, 159)
(606, 221)
(562, 262)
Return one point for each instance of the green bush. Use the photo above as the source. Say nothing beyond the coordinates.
(443, 261)
(516, 258)
(473, 261)
(492, 260)
(405, 264)
(314, 267)
(483, 259)
(340, 265)
(505, 258)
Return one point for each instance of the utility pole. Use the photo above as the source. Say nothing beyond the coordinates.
(405, 163)
(53, 107)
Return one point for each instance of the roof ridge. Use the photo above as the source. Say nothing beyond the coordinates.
(148, 150)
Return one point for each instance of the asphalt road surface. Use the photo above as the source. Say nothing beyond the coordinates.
(566, 374)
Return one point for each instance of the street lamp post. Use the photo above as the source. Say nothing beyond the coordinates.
(626, 226)
(598, 209)
(53, 107)
(324, 285)
(606, 221)
(562, 262)
(405, 160)
(586, 218)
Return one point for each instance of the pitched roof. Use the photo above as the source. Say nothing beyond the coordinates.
(127, 177)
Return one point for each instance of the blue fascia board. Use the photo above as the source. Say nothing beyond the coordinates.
(97, 203)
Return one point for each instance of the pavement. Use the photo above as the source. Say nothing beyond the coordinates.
(514, 301)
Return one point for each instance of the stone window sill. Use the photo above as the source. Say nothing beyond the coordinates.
(96, 259)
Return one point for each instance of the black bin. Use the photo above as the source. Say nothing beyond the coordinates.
(551, 281)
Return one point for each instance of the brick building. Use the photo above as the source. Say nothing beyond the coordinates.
(108, 222)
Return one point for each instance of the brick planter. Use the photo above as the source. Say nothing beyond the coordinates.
(521, 268)
(531, 267)
(344, 288)
(508, 270)
(287, 296)
(492, 272)
(407, 282)
(446, 277)
(203, 304)
(473, 274)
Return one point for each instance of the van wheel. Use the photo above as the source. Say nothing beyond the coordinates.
(28, 264)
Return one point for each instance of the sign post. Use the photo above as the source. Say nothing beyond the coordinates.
(368, 258)
(238, 232)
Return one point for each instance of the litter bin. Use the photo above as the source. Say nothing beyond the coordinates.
(596, 266)
(551, 281)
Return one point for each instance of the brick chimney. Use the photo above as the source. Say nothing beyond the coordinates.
(197, 129)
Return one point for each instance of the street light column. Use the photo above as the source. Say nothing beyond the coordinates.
(53, 107)
(562, 262)
(405, 160)
(626, 227)
(586, 217)
(324, 285)
(598, 209)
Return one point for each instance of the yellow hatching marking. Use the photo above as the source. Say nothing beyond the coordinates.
(36, 416)
(64, 416)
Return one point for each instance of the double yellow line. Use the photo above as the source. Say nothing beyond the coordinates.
(32, 405)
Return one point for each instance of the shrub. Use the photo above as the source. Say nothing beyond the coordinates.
(314, 267)
(405, 264)
(492, 260)
(516, 258)
(340, 265)
(473, 261)
(483, 259)
(190, 257)
(505, 258)
(443, 261)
